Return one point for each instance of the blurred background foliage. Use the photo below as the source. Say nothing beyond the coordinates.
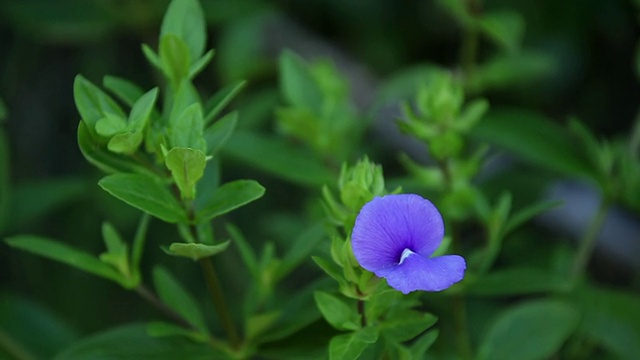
(572, 58)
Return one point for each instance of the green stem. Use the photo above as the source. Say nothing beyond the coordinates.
(470, 40)
(363, 318)
(463, 343)
(215, 289)
(588, 241)
(13, 348)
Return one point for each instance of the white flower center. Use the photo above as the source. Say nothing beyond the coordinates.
(405, 254)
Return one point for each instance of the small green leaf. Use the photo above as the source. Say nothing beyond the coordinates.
(258, 324)
(197, 251)
(175, 296)
(138, 243)
(228, 197)
(152, 57)
(530, 331)
(187, 167)
(200, 64)
(142, 109)
(221, 99)
(219, 132)
(246, 252)
(126, 143)
(92, 103)
(146, 193)
(337, 313)
(185, 20)
(297, 84)
(65, 254)
(419, 347)
(103, 159)
(407, 325)
(331, 269)
(163, 329)
(124, 89)
(117, 254)
(174, 55)
(110, 125)
(187, 131)
(528, 213)
(350, 346)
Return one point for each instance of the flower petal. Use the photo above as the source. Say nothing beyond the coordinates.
(388, 225)
(419, 273)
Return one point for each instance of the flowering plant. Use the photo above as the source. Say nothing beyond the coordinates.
(309, 212)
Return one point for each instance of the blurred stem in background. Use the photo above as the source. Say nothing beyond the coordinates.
(470, 40)
(588, 241)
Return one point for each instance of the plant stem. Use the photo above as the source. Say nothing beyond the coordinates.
(13, 347)
(363, 319)
(588, 241)
(463, 343)
(215, 289)
(169, 312)
(470, 40)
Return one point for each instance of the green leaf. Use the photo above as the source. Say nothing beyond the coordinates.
(221, 99)
(515, 282)
(228, 197)
(278, 158)
(529, 331)
(163, 329)
(138, 243)
(124, 89)
(246, 252)
(92, 103)
(506, 71)
(350, 346)
(152, 57)
(297, 84)
(331, 269)
(131, 342)
(337, 313)
(534, 138)
(419, 347)
(146, 193)
(65, 254)
(185, 20)
(142, 109)
(187, 167)
(258, 324)
(110, 125)
(187, 131)
(176, 297)
(302, 247)
(197, 251)
(117, 254)
(406, 325)
(219, 132)
(126, 143)
(611, 333)
(505, 28)
(200, 64)
(528, 213)
(103, 159)
(174, 56)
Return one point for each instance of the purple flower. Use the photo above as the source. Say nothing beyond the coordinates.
(394, 237)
